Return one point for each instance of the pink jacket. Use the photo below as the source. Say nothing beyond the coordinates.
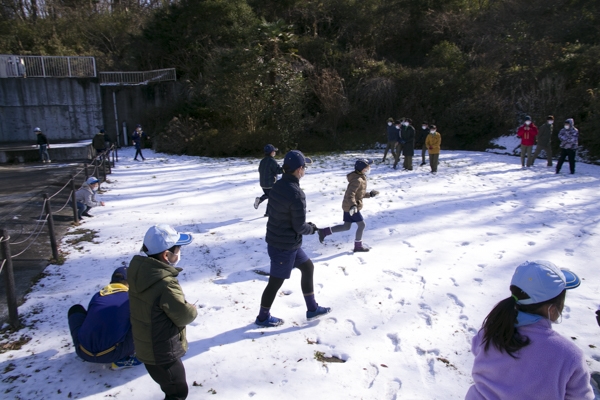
(527, 134)
(550, 367)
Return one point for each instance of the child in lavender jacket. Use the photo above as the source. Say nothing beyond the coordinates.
(517, 354)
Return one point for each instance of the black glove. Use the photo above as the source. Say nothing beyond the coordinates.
(353, 210)
(314, 228)
(373, 193)
(598, 316)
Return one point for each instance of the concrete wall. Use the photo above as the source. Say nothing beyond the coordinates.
(66, 109)
(140, 104)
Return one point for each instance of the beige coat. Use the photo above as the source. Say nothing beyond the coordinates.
(356, 191)
(433, 143)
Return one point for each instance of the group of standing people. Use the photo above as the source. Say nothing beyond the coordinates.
(402, 139)
(531, 135)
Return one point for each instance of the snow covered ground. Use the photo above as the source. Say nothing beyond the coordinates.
(444, 250)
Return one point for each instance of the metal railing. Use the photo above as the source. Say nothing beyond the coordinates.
(47, 66)
(137, 77)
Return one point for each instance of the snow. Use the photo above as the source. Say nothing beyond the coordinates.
(444, 248)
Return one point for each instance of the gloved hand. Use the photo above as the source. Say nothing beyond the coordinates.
(598, 316)
(314, 228)
(353, 210)
(373, 193)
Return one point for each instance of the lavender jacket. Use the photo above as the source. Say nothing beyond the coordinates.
(550, 367)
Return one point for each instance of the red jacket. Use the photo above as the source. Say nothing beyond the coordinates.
(527, 134)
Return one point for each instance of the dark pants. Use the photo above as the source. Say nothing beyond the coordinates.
(423, 151)
(44, 156)
(433, 161)
(564, 153)
(76, 318)
(82, 208)
(391, 145)
(265, 196)
(547, 148)
(138, 151)
(171, 378)
(408, 162)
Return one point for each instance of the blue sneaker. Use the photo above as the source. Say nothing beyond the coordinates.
(270, 322)
(310, 315)
(127, 362)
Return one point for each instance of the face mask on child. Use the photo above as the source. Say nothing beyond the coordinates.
(424, 127)
(567, 126)
(527, 122)
(389, 124)
(550, 121)
(432, 132)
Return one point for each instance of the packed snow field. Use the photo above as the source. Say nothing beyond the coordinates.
(444, 248)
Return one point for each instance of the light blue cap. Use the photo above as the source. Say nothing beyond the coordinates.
(162, 237)
(542, 281)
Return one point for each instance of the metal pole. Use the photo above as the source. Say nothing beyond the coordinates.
(116, 116)
(51, 228)
(9, 280)
(74, 201)
(69, 65)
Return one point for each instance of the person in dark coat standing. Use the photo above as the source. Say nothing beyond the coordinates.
(420, 141)
(569, 140)
(285, 228)
(43, 145)
(399, 128)
(392, 138)
(102, 334)
(98, 142)
(353, 203)
(544, 142)
(408, 144)
(268, 170)
(137, 137)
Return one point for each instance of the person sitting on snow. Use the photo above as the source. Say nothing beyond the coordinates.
(102, 334)
(352, 204)
(86, 197)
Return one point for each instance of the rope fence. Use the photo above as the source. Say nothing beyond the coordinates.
(100, 168)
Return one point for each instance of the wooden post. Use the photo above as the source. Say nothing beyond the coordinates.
(51, 228)
(103, 168)
(74, 201)
(9, 280)
(87, 174)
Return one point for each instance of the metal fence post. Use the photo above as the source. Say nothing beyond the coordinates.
(9, 280)
(74, 201)
(51, 228)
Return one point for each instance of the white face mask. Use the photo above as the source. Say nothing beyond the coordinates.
(567, 126)
(177, 259)
(368, 171)
(432, 132)
(424, 127)
(527, 122)
(397, 126)
(405, 124)
(550, 121)
(389, 124)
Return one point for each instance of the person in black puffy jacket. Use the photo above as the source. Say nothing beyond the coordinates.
(268, 170)
(285, 227)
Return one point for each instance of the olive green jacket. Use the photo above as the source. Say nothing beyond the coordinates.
(159, 312)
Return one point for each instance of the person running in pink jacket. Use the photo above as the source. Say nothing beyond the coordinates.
(517, 354)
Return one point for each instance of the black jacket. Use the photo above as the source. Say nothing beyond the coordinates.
(268, 170)
(392, 133)
(408, 136)
(420, 138)
(287, 214)
(42, 139)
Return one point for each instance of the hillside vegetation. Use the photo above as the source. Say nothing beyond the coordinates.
(327, 74)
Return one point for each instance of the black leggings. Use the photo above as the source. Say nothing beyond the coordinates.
(341, 228)
(306, 283)
(171, 378)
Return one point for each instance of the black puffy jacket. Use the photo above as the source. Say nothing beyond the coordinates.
(268, 170)
(287, 214)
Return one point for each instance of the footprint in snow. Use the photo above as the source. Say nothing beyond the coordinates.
(454, 281)
(393, 273)
(355, 331)
(478, 280)
(395, 341)
(390, 293)
(393, 389)
(371, 373)
(569, 252)
(456, 300)
(465, 244)
(361, 260)
(408, 244)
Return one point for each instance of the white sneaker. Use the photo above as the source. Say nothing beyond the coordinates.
(256, 203)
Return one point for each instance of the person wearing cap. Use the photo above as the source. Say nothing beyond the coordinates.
(544, 142)
(400, 125)
(420, 141)
(98, 142)
(434, 144)
(569, 140)
(408, 144)
(137, 137)
(352, 204)
(102, 334)
(43, 145)
(392, 135)
(527, 132)
(268, 170)
(285, 228)
(86, 197)
(159, 310)
(517, 353)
